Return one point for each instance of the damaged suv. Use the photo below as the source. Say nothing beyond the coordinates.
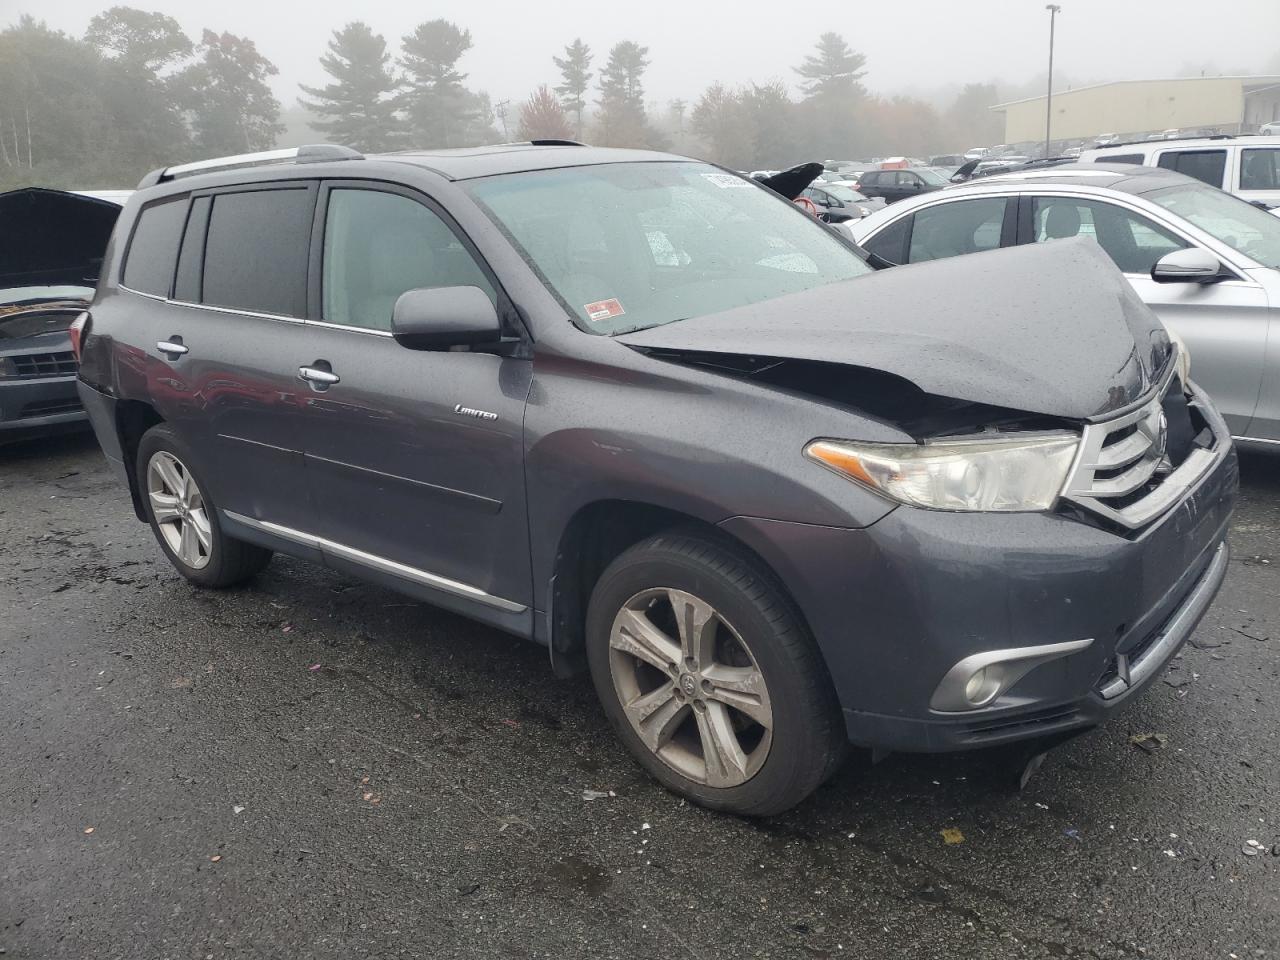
(654, 417)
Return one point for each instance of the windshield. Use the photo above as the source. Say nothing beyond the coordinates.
(634, 245)
(929, 176)
(844, 193)
(1238, 224)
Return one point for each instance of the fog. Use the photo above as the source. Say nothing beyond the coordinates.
(926, 47)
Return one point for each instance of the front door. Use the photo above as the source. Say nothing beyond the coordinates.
(1224, 325)
(414, 458)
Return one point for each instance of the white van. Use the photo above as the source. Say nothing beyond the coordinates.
(1249, 167)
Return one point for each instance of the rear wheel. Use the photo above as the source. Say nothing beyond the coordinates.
(184, 519)
(709, 676)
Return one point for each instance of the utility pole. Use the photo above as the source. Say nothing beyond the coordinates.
(500, 108)
(1054, 9)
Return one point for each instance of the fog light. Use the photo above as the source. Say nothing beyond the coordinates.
(977, 680)
(983, 686)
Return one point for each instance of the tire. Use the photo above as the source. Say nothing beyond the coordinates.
(188, 529)
(755, 678)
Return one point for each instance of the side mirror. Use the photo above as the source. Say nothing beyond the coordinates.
(1193, 265)
(438, 318)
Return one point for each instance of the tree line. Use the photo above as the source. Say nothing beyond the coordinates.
(135, 92)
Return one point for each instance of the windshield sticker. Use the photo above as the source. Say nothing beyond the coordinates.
(603, 310)
(726, 181)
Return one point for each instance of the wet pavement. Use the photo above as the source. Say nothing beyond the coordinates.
(312, 767)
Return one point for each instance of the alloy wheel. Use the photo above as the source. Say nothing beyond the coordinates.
(690, 687)
(179, 509)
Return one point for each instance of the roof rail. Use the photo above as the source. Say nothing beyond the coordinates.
(1181, 136)
(309, 153)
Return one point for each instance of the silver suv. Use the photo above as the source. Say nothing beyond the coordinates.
(1207, 263)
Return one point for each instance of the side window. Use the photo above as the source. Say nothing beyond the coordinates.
(1131, 240)
(1260, 169)
(1121, 158)
(868, 179)
(891, 242)
(378, 245)
(187, 285)
(153, 251)
(906, 179)
(956, 228)
(1207, 166)
(255, 254)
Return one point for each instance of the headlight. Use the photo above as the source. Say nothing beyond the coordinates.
(1184, 356)
(1008, 474)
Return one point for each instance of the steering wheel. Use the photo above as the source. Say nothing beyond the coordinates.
(807, 205)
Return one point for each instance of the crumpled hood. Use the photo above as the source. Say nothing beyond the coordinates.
(52, 237)
(1048, 328)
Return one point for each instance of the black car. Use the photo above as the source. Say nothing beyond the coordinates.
(51, 247)
(653, 416)
(896, 185)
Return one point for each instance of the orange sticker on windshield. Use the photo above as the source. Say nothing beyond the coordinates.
(603, 310)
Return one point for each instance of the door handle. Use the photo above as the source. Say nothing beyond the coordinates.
(172, 348)
(325, 378)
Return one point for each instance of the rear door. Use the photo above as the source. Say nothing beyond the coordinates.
(1223, 324)
(231, 330)
(947, 228)
(414, 459)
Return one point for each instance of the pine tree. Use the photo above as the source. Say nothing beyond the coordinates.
(358, 108)
(622, 119)
(575, 75)
(834, 70)
(441, 111)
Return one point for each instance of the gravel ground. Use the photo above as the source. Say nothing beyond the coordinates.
(312, 767)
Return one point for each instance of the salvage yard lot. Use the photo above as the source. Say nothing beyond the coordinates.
(313, 767)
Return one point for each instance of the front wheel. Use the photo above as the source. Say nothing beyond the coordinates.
(709, 676)
(184, 519)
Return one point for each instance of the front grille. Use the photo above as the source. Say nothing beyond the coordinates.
(1132, 469)
(46, 408)
(44, 364)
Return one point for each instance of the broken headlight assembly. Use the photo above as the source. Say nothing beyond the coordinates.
(1008, 474)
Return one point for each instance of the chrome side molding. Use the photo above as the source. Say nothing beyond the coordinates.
(374, 562)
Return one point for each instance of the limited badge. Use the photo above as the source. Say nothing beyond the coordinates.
(603, 310)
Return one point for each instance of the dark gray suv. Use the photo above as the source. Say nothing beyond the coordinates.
(654, 417)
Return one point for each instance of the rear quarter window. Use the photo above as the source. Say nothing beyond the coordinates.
(256, 250)
(1207, 166)
(153, 249)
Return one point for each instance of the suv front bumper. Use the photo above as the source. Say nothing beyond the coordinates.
(896, 605)
(38, 406)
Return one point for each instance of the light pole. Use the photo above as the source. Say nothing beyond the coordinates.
(1054, 9)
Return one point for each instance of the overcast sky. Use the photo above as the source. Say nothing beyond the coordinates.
(918, 45)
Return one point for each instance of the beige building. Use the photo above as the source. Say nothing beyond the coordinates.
(1134, 108)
